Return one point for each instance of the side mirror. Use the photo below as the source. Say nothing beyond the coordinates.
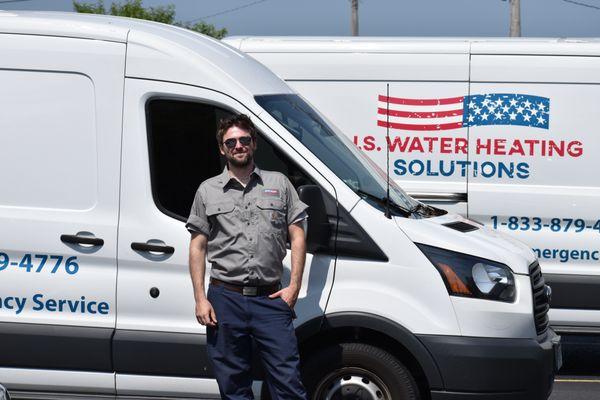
(319, 229)
(4, 395)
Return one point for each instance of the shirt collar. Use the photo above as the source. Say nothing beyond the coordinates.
(224, 177)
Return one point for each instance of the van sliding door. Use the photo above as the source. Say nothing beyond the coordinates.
(169, 148)
(535, 151)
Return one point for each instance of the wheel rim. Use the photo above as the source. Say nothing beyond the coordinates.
(352, 384)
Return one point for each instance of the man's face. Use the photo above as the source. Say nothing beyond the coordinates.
(232, 147)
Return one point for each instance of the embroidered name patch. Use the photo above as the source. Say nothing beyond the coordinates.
(271, 192)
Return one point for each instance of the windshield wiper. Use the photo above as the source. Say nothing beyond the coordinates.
(384, 201)
(425, 210)
(418, 207)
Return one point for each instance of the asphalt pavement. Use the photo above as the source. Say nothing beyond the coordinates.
(576, 388)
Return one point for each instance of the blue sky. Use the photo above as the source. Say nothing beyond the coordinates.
(540, 18)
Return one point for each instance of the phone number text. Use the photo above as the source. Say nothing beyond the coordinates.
(38, 263)
(576, 225)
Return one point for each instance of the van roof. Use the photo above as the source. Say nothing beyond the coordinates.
(67, 24)
(156, 51)
(417, 45)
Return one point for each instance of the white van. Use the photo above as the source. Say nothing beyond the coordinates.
(499, 130)
(107, 129)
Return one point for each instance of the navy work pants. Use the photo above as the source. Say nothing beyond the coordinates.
(269, 321)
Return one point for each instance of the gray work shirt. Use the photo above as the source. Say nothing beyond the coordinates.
(246, 227)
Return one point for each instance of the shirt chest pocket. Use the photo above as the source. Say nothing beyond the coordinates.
(272, 213)
(220, 213)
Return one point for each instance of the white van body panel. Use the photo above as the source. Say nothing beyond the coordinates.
(393, 289)
(84, 26)
(343, 66)
(549, 69)
(478, 318)
(50, 102)
(201, 61)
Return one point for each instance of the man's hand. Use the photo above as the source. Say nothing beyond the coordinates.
(205, 314)
(288, 294)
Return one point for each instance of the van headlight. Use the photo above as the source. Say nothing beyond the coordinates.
(470, 276)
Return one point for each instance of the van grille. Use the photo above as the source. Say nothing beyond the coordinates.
(540, 299)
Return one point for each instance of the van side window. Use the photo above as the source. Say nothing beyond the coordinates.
(184, 152)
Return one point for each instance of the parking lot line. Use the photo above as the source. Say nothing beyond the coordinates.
(577, 380)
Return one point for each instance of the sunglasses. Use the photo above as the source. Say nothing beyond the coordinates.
(244, 141)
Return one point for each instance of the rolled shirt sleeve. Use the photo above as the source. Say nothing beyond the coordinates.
(296, 209)
(198, 221)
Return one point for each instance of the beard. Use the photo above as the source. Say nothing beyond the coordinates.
(237, 162)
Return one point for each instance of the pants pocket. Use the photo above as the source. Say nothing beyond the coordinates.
(287, 307)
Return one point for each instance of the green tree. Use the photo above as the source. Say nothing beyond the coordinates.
(135, 9)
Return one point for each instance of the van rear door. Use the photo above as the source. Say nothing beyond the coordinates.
(535, 163)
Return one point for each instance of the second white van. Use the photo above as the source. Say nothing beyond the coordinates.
(498, 130)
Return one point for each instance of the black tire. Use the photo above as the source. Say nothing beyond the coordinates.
(357, 371)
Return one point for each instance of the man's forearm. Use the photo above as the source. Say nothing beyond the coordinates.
(197, 270)
(298, 259)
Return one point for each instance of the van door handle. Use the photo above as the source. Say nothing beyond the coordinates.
(74, 239)
(152, 247)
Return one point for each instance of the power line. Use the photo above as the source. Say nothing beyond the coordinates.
(228, 11)
(582, 4)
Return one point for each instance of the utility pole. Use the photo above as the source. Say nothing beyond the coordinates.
(354, 20)
(515, 18)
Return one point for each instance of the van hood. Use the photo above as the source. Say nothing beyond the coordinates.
(456, 233)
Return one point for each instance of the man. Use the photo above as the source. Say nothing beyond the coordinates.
(241, 219)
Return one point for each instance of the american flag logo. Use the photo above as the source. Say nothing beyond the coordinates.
(271, 192)
(459, 112)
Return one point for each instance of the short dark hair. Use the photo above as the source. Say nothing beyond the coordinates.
(241, 121)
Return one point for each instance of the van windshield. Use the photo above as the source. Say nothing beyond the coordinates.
(336, 151)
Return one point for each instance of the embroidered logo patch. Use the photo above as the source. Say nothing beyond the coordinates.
(271, 192)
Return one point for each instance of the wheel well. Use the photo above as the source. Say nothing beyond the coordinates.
(372, 337)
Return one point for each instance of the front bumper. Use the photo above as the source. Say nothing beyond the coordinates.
(494, 369)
